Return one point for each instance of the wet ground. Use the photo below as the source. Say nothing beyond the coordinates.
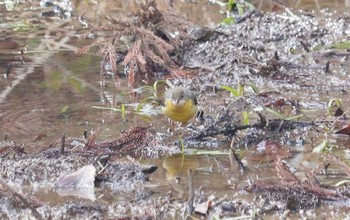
(51, 97)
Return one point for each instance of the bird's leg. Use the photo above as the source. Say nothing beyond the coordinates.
(172, 127)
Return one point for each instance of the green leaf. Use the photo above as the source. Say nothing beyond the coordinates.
(292, 50)
(231, 90)
(240, 89)
(123, 111)
(334, 102)
(245, 118)
(230, 5)
(229, 21)
(182, 145)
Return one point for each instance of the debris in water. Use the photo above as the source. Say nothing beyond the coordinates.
(82, 178)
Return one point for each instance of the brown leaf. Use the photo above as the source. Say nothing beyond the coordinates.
(276, 103)
(344, 166)
(338, 112)
(345, 130)
(203, 207)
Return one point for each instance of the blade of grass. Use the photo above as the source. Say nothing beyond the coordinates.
(240, 89)
(231, 90)
(205, 152)
(245, 118)
(182, 152)
(143, 88)
(155, 86)
(108, 108)
(321, 147)
(294, 117)
(342, 182)
(123, 111)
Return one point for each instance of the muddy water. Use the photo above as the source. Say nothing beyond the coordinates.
(51, 90)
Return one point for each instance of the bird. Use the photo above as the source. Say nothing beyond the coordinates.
(180, 104)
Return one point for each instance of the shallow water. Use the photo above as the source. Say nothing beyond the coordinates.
(51, 91)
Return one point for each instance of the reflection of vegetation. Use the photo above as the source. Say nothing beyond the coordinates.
(345, 45)
(182, 152)
(82, 64)
(33, 43)
(76, 84)
(342, 45)
(53, 81)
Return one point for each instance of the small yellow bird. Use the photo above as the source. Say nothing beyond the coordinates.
(180, 104)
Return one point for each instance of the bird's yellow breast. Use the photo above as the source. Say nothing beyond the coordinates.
(181, 113)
